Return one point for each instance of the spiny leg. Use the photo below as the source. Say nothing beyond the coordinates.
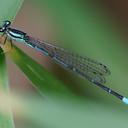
(5, 40)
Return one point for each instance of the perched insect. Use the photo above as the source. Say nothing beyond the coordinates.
(88, 68)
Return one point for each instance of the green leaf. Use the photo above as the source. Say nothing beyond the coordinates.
(8, 10)
(5, 120)
(40, 78)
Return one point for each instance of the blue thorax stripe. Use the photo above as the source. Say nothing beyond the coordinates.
(16, 33)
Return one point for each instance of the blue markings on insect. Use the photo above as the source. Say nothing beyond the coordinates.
(41, 50)
(125, 100)
(60, 62)
(30, 45)
(16, 35)
(37, 48)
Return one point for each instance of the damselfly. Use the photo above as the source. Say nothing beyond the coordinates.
(88, 68)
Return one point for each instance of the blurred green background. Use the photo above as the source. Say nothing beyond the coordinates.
(93, 28)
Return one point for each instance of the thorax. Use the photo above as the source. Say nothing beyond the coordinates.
(15, 34)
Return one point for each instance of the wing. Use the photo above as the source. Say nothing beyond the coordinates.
(84, 66)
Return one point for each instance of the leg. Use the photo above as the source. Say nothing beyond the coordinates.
(5, 40)
(11, 43)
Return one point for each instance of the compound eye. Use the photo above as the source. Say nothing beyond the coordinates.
(7, 23)
(2, 29)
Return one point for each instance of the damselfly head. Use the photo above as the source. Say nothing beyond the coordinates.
(5, 25)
